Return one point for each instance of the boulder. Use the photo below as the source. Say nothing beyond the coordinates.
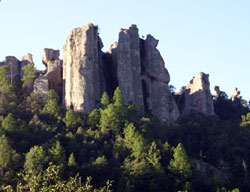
(198, 98)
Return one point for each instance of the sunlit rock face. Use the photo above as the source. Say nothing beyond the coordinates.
(198, 98)
(129, 67)
(155, 77)
(52, 79)
(236, 95)
(142, 76)
(82, 69)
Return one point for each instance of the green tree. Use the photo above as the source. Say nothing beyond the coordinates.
(154, 157)
(70, 120)
(180, 164)
(29, 74)
(72, 160)
(10, 123)
(109, 120)
(94, 118)
(118, 100)
(57, 154)
(4, 72)
(33, 103)
(52, 106)
(35, 160)
(9, 161)
(104, 100)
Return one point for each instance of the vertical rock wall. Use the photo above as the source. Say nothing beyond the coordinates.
(82, 73)
(129, 67)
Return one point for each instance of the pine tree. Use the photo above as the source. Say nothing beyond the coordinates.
(57, 154)
(35, 160)
(104, 100)
(72, 161)
(70, 120)
(52, 106)
(180, 164)
(10, 123)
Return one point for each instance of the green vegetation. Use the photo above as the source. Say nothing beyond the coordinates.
(45, 148)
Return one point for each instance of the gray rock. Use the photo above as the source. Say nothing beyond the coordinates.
(129, 67)
(198, 98)
(41, 85)
(82, 69)
(52, 79)
(157, 96)
(50, 55)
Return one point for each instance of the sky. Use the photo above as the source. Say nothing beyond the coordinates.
(211, 36)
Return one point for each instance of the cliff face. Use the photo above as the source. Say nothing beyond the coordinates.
(157, 96)
(198, 97)
(82, 69)
(133, 64)
(129, 67)
(142, 76)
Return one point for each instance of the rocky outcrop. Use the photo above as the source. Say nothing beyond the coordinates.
(26, 60)
(157, 96)
(141, 74)
(198, 98)
(52, 79)
(129, 67)
(216, 92)
(236, 95)
(50, 55)
(82, 69)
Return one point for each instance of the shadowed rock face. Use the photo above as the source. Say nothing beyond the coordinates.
(157, 96)
(216, 92)
(129, 67)
(198, 97)
(82, 69)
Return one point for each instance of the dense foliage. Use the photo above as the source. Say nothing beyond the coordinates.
(45, 148)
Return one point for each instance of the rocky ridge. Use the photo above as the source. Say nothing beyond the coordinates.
(134, 64)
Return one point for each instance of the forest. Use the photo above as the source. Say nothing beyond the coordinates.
(44, 147)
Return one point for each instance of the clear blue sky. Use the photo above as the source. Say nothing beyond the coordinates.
(212, 36)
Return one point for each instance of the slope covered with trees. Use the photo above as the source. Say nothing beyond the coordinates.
(45, 148)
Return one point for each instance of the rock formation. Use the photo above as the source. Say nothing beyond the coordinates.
(157, 96)
(82, 69)
(216, 92)
(41, 85)
(198, 97)
(52, 79)
(236, 95)
(129, 67)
